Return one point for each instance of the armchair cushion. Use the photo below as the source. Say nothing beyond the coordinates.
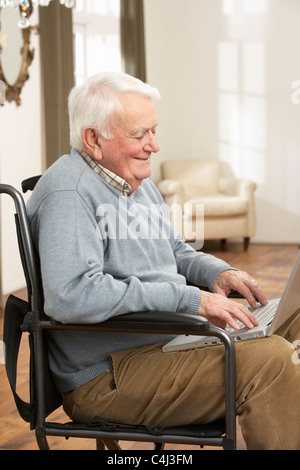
(219, 205)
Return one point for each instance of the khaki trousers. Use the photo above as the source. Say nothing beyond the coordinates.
(147, 386)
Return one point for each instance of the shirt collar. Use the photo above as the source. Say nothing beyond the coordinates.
(109, 176)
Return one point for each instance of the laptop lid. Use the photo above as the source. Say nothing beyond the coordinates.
(290, 299)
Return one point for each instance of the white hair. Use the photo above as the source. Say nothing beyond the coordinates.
(95, 103)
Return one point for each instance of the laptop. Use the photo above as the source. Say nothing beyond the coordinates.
(270, 317)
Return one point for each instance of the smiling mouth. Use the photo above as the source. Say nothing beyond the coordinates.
(142, 159)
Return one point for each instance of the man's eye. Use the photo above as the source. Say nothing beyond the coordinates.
(143, 134)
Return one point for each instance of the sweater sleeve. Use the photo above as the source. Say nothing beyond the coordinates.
(199, 268)
(76, 286)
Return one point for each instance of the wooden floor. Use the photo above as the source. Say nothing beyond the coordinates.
(269, 264)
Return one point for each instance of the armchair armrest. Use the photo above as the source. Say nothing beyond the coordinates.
(237, 187)
(172, 192)
(170, 187)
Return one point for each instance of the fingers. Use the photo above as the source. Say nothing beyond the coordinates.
(221, 311)
(234, 311)
(251, 290)
(242, 283)
(239, 312)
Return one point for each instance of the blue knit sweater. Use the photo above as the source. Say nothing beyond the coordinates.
(105, 254)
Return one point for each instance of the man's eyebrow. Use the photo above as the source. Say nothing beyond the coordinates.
(143, 130)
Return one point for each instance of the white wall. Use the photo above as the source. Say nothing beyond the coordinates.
(225, 69)
(20, 157)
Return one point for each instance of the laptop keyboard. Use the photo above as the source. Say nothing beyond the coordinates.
(263, 314)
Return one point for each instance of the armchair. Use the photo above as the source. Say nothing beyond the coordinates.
(228, 204)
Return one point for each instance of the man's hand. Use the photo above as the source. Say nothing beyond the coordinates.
(242, 283)
(220, 310)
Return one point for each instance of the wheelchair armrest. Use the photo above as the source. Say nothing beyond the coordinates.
(141, 322)
(163, 321)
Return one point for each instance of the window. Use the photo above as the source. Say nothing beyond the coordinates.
(96, 28)
(242, 88)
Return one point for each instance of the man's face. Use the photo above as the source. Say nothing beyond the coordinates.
(128, 152)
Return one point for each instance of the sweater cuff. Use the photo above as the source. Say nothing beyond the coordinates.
(215, 273)
(191, 301)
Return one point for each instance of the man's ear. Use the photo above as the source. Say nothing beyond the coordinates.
(91, 142)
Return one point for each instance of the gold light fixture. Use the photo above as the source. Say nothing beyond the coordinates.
(25, 8)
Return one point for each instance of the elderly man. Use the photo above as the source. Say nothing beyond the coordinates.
(90, 214)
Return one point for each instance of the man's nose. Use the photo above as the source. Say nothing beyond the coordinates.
(152, 144)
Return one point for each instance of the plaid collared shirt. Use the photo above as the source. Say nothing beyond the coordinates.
(109, 176)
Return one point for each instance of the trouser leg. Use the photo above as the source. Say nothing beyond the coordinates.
(270, 418)
(268, 397)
